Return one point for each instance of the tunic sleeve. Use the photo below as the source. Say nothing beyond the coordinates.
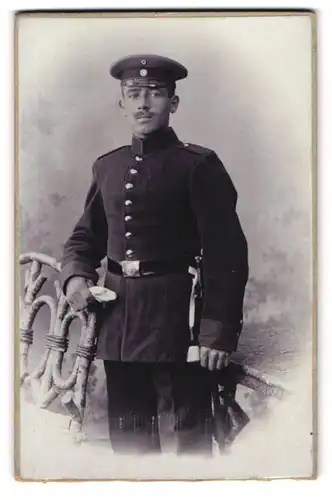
(87, 245)
(225, 254)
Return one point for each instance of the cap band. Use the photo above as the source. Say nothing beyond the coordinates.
(147, 73)
(144, 82)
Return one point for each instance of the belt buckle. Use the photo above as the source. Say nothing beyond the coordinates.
(130, 268)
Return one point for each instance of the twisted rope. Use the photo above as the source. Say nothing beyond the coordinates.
(26, 335)
(56, 343)
(87, 352)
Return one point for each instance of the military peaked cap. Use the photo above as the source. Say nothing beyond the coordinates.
(147, 69)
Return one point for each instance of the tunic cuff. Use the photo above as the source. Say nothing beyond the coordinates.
(76, 269)
(217, 335)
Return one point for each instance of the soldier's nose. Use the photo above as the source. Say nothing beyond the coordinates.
(143, 104)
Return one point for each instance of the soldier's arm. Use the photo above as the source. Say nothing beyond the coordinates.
(87, 245)
(225, 254)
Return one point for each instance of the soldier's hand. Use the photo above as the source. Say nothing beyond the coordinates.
(213, 359)
(77, 293)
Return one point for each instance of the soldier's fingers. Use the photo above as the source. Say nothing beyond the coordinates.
(226, 360)
(213, 358)
(204, 354)
(222, 360)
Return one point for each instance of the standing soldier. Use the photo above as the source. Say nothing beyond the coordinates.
(154, 206)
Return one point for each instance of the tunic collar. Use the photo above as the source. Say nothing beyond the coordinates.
(155, 141)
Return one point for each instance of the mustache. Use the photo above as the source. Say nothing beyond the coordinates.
(143, 114)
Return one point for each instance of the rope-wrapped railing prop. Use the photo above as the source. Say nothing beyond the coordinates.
(39, 370)
(46, 379)
(30, 312)
(34, 280)
(251, 378)
(63, 327)
(26, 338)
(40, 378)
(26, 335)
(56, 343)
(53, 383)
(87, 352)
(27, 319)
(28, 316)
(40, 258)
(75, 404)
(30, 307)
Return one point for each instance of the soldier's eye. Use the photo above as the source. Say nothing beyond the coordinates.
(133, 95)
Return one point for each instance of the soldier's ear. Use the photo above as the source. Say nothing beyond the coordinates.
(174, 103)
(122, 106)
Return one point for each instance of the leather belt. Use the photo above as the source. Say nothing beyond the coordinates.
(136, 268)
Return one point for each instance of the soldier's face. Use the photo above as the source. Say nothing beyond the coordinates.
(147, 109)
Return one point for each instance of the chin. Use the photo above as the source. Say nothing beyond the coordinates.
(146, 129)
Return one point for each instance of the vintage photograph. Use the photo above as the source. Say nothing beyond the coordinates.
(165, 245)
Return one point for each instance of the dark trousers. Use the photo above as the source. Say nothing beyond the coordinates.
(154, 407)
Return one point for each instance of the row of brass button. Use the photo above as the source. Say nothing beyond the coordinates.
(129, 186)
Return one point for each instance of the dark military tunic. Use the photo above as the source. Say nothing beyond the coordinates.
(159, 199)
